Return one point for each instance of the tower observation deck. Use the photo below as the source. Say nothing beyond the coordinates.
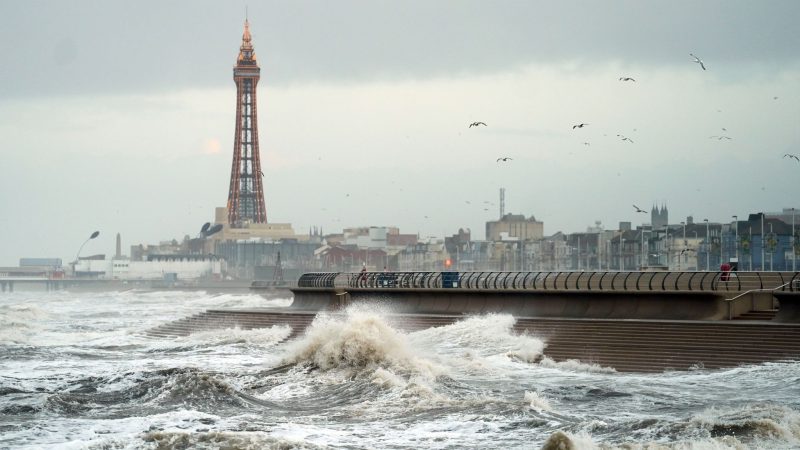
(246, 193)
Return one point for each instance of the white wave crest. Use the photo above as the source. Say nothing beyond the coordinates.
(19, 322)
(765, 422)
(221, 439)
(537, 402)
(21, 314)
(561, 440)
(575, 366)
(490, 334)
(227, 336)
(357, 339)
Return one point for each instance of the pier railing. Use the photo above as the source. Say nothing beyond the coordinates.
(663, 281)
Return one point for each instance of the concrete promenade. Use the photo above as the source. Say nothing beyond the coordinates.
(631, 321)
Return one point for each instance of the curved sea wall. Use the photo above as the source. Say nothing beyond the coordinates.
(597, 295)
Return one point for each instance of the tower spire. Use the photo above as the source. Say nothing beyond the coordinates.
(246, 193)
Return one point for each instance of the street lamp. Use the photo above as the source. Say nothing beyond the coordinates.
(772, 250)
(708, 248)
(763, 241)
(92, 236)
(78, 255)
(736, 238)
(794, 252)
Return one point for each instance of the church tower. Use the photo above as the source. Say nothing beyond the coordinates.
(246, 193)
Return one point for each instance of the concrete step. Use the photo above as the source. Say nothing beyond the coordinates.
(628, 346)
(767, 314)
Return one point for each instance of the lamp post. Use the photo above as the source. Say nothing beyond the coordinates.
(600, 253)
(643, 255)
(708, 247)
(763, 241)
(736, 238)
(794, 252)
(771, 250)
(621, 258)
(78, 255)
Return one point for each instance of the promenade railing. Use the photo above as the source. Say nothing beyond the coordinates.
(655, 281)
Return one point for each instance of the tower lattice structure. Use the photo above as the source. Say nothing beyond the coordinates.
(246, 194)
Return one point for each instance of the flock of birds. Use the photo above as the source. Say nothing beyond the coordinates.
(627, 139)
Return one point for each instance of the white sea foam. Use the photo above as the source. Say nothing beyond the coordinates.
(561, 440)
(358, 339)
(486, 335)
(766, 422)
(537, 402)
(575, 366)
(226, 336)
(219, 439)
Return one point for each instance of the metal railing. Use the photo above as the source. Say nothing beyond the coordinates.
(793, 286)
(562, 281)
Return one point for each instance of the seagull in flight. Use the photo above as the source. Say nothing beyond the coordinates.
(639, 209)
(475, 124)
(698, 60)
(625, 138)
(627, 79)
(586, 143)
(719, 138)
(580, 125)
(789, 155)
(504, 159)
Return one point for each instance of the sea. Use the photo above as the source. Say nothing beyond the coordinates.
(78, 371)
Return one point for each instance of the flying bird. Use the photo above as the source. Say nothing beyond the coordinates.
(475, 124)
(505, 158)
(698, 61)
(625, 138)
(639, 209)
(580, 125)
(719, 138)
(586, 143)
(627, 79)
(789, 155)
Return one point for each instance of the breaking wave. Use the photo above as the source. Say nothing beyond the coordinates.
(487, 335)
(221, 440)
(356, 340)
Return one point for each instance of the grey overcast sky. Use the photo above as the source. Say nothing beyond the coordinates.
(119, 116)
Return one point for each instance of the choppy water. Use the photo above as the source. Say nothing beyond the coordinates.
(77, 372)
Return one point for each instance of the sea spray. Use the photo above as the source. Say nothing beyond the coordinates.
(575, 366)
(358, 339)
(487, 335)
(537, 402)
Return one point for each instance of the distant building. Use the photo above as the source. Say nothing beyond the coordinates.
(515, 226)
(52, 263)
(156, 267)
(659, 217)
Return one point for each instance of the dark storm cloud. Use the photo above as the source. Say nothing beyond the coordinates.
(64, 48)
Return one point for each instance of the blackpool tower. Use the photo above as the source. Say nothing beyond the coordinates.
(246, 193)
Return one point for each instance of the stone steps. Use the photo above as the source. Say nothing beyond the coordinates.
(626, 345)
(767, 314)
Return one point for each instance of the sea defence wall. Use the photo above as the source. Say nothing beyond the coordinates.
(596, 295)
